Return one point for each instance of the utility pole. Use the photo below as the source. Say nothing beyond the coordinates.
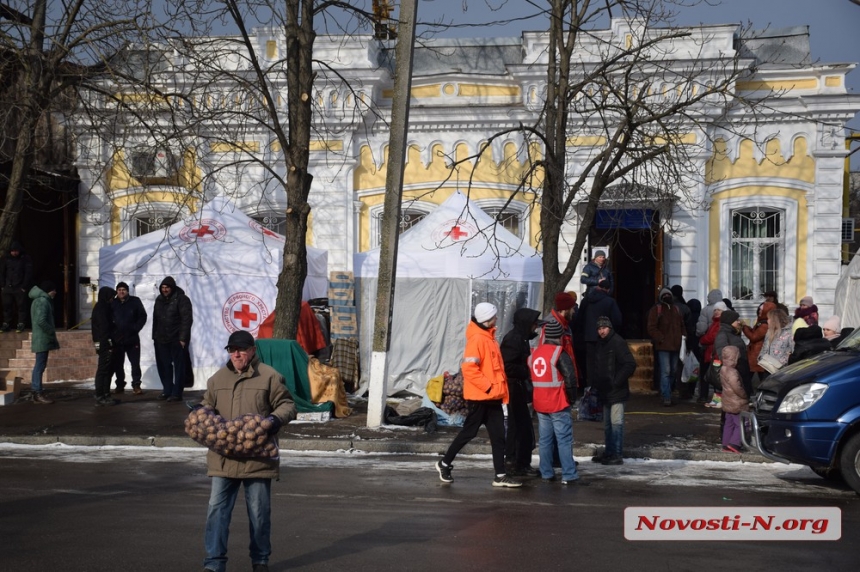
(403, 51)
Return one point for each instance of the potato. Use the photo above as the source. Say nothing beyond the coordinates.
(266, 424)
(249, 444)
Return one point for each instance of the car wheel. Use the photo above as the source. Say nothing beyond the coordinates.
(849, 460)
(828, 473)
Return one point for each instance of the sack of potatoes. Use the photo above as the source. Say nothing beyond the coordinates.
(244, 437)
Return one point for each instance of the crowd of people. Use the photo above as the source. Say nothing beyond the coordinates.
(549, 362)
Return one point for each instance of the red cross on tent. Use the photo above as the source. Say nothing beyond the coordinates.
(245, 315)
(202, 231)
(456, 232)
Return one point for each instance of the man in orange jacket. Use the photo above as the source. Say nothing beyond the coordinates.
(485, 389)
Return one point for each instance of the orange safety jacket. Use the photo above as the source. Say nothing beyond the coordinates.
(483, 368)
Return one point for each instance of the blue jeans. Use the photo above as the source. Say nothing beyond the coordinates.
(613, 429)
(38, 370)
(258, 499)
(560, 426)
(668, 363)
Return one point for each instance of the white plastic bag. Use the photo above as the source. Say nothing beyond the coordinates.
(690, 373)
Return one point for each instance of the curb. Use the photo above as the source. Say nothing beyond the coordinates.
(392, 447)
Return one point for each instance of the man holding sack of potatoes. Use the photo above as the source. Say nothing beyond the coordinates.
(256, 400)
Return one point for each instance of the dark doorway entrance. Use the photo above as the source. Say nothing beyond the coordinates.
(634, 239)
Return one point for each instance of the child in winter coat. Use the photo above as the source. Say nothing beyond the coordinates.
(735, 399)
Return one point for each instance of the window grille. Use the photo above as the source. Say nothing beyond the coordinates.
(758, 252)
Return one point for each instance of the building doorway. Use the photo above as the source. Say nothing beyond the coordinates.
(634, 240)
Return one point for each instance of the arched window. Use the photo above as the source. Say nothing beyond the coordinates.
(508, 218)
(150, 221)
(275, 222)
(409, 217)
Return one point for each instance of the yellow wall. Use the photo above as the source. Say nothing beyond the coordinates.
(435, 182)
(800, 167)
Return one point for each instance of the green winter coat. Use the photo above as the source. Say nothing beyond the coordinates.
(42, 316)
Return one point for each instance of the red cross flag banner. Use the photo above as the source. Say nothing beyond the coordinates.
(227, 264)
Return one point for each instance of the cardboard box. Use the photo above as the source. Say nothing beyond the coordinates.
(314, 416)
(341, 276)
(344, 320)
(13, 386)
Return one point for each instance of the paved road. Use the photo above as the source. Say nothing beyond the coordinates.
(109, 509)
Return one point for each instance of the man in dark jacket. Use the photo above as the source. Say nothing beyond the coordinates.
(520, 436)
(16, 277)
(594, 272)
(171, 331)
(665, 328)
(129, 317)
(600, 303)
(103, 330)
(614, 364)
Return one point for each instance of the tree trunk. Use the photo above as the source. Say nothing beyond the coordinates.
(300, 37)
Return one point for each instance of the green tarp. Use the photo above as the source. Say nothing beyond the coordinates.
(291, 361)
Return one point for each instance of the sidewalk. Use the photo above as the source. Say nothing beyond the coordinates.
(685, 431)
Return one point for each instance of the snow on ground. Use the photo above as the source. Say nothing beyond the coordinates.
(728, 476)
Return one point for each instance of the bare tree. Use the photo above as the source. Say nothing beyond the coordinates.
(625, 115)
(48, 50)
(247, 107)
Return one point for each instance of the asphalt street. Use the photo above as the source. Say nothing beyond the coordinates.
(128, 508)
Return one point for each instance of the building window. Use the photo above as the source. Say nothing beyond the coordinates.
(409, 217)
(509, 219)
(152, 221)
(274, 222)
(758, 252)
(153, 164)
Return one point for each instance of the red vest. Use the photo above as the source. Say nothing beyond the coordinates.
(548, 395)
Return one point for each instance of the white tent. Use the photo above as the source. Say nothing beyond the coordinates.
(847, 297)
(227, 264)
(453, 259)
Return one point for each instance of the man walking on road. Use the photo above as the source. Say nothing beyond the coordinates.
(485, 388)
(129, 317)
(244, 385)
(171, 331)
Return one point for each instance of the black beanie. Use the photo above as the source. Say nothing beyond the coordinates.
(728, 317)
(122, 285)
(47, 286)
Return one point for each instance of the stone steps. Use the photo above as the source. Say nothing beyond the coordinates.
(76, 360)
(642, 381)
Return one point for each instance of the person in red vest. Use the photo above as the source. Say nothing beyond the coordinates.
(554, 383)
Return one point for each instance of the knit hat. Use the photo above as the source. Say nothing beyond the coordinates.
(806, 301)
(47, 286)
(564, 301)
(604, 322)
(677, 291)
(832, 323)
(122, 285)
(728, 317)
(721, 306)
(553, 330)
(603, 284)
(599, 253)
(484, 312)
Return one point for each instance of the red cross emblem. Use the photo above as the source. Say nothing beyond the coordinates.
(539, 366)
(202, 231)
(244, 311)
(207, 230)
(245, 315)
(456, 233)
